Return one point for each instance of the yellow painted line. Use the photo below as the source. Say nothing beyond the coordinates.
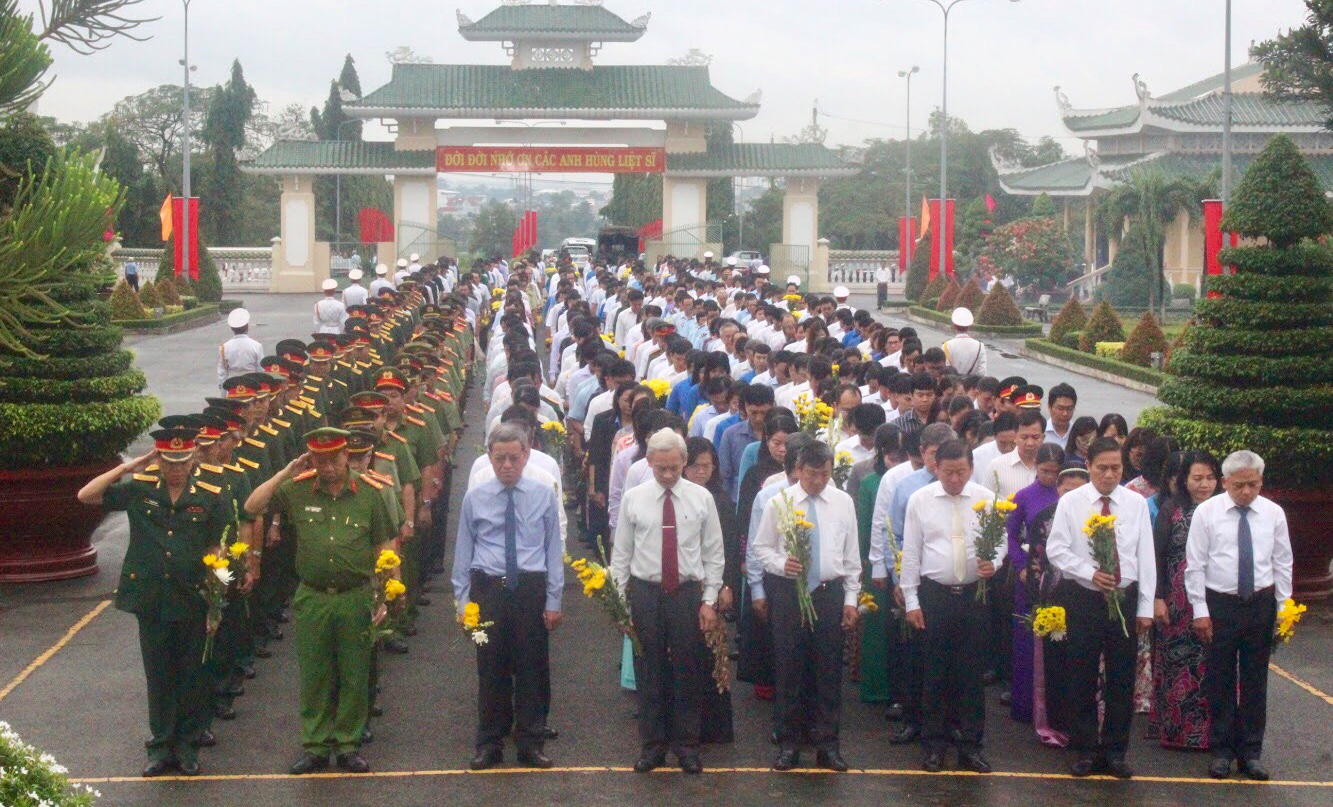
(53, 649)
(1308, 687)
(271, 777)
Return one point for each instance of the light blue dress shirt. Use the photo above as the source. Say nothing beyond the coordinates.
(481, 537)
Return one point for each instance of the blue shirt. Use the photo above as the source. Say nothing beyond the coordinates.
(754, 570)
(581, 397)
(732, 446)
(481, 537)
(683, 397)
(699, 419)
(910, 484)
(851, 339)
(722, 426)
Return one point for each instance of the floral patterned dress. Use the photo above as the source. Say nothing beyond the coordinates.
(1180, 710)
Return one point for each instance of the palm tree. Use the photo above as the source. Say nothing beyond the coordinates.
(1152, 200)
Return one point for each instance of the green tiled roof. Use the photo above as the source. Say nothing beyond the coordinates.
(604, 92)
(547, 21)
(1247, 109)
(349, 156)
(1066, 175)
(760, 159)
(1201, 165)
(1110, 119)
(1213, 83)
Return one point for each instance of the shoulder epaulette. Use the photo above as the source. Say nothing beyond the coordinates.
(252, 441)
(365, 365)
(357, 371)
(370, 480)
(146, 478)
(238, 469)
(340, 382)
(383, 477)
(295, 407)
(415, 421)
(415, 408)
(303, 476)
(315, 378)
(248, 463)
(384, 456)
(212, 469)
(345, 364)
(314, 412)
(214, 489)
(284, 424)
(429, 394)
(397, 436)
(447, 397)
(153, 467)
(307, 401)
(269, 430)
(425, 408)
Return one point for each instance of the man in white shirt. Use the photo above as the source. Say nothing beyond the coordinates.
(1010, 473)
(881, 286)
(1004, 428)
(1238, 564)
(668, 560)
(402, 273)
(1096, 629)
(381, 280)
(941, 570)
(963, 352)
(1060, 402)
(541, 467)
(833, 581)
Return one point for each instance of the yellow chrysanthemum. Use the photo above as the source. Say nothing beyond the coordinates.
(979, 506)
(210, 560)
(805, 525)
(237, 549)
(554, 426)
(393, 589)
(388, 560)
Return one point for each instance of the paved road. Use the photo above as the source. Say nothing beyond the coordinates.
(85, 704)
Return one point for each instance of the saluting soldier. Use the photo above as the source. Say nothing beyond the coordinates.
(340, 525)
(175, 520)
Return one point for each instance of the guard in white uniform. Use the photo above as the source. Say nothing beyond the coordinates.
(330, 313)
(964, 352)
(240, 354)
(381, 280)
(355, 294)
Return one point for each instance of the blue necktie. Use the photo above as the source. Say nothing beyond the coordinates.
(1245, 555)
(812, 573)
(511, 542)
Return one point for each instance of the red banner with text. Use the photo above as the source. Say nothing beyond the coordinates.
(550, 159)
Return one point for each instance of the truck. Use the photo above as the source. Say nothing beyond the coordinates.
(614, 243)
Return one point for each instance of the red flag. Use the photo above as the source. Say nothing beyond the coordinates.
(186, 220)
(990, 203)
(944, 225)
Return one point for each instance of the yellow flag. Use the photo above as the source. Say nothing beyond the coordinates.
(925, 217)
(165, 215)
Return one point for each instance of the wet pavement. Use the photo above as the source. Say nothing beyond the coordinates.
(84, 702)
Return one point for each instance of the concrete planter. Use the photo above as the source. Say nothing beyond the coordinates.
(45, 533)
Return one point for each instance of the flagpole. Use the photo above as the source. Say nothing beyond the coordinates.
(185, 148)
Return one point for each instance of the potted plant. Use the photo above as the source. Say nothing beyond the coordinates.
(70, 400)
(1254, 372)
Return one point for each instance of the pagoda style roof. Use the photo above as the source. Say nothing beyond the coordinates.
(551, 23)
(604, 92)
(760, 160)
(1196, 108)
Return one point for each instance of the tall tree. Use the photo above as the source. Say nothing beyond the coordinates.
(493, 230)
(349, 81)
(1298, 65)
(229, 114)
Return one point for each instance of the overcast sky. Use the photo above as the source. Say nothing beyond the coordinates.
(1005, 57)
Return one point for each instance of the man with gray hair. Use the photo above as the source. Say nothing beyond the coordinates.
(668, 560)
(509, 561)
(1238, 571)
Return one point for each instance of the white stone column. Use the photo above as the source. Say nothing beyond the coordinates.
(800, 226)
(296, 266)
(685, 216)
(416, 205)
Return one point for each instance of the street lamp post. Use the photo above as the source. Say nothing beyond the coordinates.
(906, 249)
(945, 6)
(185, 148)
(1226, 115)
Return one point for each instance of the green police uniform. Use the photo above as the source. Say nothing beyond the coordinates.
(336, 542)
(160, 584)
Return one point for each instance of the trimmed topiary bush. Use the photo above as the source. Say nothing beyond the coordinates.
(166, 289)
(148, 295)
(971, 297)
(918, 272)
(999, 308)
(948, 296)
(125, 303)
(1103, 326)
(208, 287)
(934, 289)
(1071, 339)
(1071, 318)
(1146, 338)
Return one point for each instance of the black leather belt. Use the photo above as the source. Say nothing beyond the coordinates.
(1266, 591)
(957, 591)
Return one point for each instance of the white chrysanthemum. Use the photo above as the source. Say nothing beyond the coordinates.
(480, 638)
(1057, 635)
(224, 575)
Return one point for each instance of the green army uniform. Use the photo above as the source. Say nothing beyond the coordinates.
(160, 583)
(233, 638)
(336, 541)
(426, 451)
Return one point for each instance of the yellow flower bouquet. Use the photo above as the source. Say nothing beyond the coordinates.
(812, 414)
(796, 531)
(1287, 616)
(1100, 530)
(865, 603)
(992, 518)
(661, 389)
(598, 585)
(473, 626)
(842, 468)
(1050, 621)
(390, 602)
(553, 432)
(217, 582)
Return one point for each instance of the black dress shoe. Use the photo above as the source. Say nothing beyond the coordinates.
(550, 733)
(1221, 768)
(1006, 697)
(487, 758)
(283, 618)
(206, 739)
(410, 630)
(934, 762)
(973, 761)
(1119, 768)
(532, 758)
(831, 760)
(396, 645)
(353, 762)
(788, 758)
(905, 735)
(1083, 766)
(224, 712)
(275, 635)
(989, 677)
(691, 764)
(308, 763)
(247, 671)
(158, 767)
(1253, 770)
(263, 652)
(649, 762)
(895, 712)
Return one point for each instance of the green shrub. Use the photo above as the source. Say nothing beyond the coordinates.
(934, 289)
(70, 434)
(125, 303)
(73, 342)
(1307, 454)
(1131, 283)
(1228, 312)
(1255, 343)
(101, 364)
(30, 778)
(1272, 406)
(999, 308)
(1183, 291)
(1274, 289)
(1279, 198)
(971, 297)
(1146, 375)
(149, 297)
(1310, 259)
(1249, 371)
(1146, 338)
(948, 296)
(45, 390)
(190, 302)
(208, 287)
(166, 289)
(1103, 326)
(1072, 317)
(918, 272)
(1071, 340)
(939, 317)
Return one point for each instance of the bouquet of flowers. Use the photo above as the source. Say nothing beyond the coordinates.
(865, 603)
(553, 431)
(842, 468)
(1100, 530)
(812, 414)
(796, 531)
(216, 584)
(1050, 621)
(716, 639)
(1287, 616)
(991, 518)
(389, 591)
(661, 389)
(598, 585)
(473, 626)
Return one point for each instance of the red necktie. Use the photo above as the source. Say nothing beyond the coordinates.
(670, 560)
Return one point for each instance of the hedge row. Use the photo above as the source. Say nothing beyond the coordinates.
(1251, 343)
(73, 342)
(1262, 288)
(1251, 371)
(1298, 457)
(1279, 406)
(1307, 260)
(1263, 316)
(1029, 329)
(1145, 375)
(166, 321)
(56, 369)
(80, 390)
(60, 435)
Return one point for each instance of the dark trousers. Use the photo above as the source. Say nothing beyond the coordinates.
(133, 280)
(1242, 640)
(1000, 632)
(1095, 634)
(178, 686)
(955, 658)
(914, 676)
(512, 666)
(670, 672)
(881, 294)
(801, 655)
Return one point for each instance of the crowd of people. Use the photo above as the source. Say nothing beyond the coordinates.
(678, 419)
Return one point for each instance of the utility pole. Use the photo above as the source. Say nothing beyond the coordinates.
(185, 148)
